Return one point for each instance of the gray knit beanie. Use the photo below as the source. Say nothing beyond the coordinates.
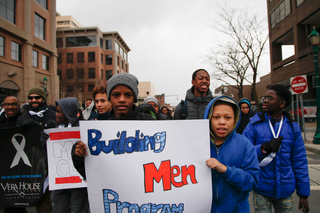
(125, 79)
(151, 99)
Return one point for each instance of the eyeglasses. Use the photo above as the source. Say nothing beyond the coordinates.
(34, 97)
(10, 104)
(268, 98)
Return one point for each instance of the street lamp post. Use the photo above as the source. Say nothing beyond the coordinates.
(314, 40)
(45, 81)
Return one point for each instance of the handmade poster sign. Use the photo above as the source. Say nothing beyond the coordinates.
(22, 168)
(147, 166)
(62, 174)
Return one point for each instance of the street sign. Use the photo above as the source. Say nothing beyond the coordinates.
(299, 84)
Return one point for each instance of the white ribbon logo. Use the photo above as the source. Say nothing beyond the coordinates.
(20, 153)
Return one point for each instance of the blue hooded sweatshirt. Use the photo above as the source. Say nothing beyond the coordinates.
(230, 191)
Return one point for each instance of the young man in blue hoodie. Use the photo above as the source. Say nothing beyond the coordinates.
(233, 161)
(68, 200)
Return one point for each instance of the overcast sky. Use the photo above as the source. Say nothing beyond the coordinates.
(168, 38)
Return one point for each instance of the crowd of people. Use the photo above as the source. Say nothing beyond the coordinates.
(259, 152)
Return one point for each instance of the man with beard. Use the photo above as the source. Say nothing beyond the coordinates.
(197, 97)
(38, 110)
(38, 113)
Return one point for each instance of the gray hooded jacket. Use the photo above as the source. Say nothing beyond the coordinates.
(195, 106)
(69, 107)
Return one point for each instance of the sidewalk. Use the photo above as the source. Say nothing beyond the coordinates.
(310, 131)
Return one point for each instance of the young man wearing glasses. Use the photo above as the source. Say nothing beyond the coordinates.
(11, 112)
(38, 110)
(281, 153)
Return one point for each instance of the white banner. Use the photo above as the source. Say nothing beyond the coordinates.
(62, 174)
(148, 166)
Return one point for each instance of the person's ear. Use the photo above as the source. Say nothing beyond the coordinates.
(192, 82)
(282, 104)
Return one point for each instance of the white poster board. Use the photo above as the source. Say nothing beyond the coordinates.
(62, 174)
(125, 172)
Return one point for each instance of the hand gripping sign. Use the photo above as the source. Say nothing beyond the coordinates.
(147, 166)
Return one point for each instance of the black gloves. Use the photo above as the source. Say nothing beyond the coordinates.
(51, 124)
(271, 146)
(29, 122)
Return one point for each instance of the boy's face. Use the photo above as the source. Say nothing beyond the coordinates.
(102, 103)
(60, 117)
(273, 105)
(244, 108)
(122, 100)
(202, 82)
(222, 122)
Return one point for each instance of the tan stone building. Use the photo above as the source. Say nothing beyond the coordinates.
(146, 88)
(28, 48)
(88, 57)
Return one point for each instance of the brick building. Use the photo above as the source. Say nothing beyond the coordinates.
(88, 57)
(28, 55)
(290, 23)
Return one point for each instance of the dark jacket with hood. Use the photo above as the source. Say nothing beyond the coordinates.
(195, 106)
(230, 191)
(69, 107)
(78, 162)
(245, 118)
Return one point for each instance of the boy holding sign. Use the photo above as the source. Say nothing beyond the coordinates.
(233, 161)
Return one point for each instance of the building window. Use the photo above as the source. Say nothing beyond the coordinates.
(39, 26)
(80, 73)
(1, 46)
(125, 56)
(90, 87)
(80, 57)
(117, 47)
(108, 74)
(121, 52)
(7, 10)
(91, 56)
(69, 58)
(69, 73)
(59, 73)
(59, 60)
(91, 73)
(101, 43)
(108, 59)
(101, 73)
(69, 88)
(16, 51)
(43, 3)
(81, 41)
(101, 58)
(118, 61)
(45, 62)
(122, 64)
(282, 11)
(34, 58)
(108, 44)
(59, 42)
(299, 2)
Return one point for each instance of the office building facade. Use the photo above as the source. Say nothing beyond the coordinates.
(28, 55)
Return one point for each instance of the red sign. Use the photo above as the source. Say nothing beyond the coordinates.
(299, 84)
